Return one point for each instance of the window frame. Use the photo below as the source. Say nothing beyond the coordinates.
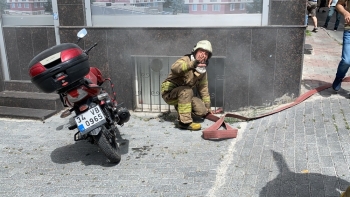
(232, 7)
(242, 6)
(214, 7)
(194, 7)
(204, 6)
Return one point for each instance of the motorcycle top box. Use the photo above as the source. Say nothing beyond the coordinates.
(58, 67)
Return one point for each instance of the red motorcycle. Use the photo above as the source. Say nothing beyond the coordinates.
(65, 69)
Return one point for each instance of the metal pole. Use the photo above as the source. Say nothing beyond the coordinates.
(88, 15)
(5, 67)
(56, 21)
(265, 13)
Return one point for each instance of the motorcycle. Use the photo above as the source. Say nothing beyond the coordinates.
(65, 69)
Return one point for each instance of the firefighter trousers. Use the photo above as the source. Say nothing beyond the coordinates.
(186, 103)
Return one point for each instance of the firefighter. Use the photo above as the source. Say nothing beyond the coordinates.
(187, 73)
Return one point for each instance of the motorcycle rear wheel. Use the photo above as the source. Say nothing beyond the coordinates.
(108, 146)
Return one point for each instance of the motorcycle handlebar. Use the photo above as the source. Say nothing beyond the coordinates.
(89, 49)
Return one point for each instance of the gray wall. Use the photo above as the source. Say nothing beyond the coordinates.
(261, 63)
(71, 12)
(287, 12)
(22, 44)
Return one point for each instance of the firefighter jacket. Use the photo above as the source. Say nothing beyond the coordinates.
(183, 74)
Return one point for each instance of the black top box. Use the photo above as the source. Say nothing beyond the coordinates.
(58, 67)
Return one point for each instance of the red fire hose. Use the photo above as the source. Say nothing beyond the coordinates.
(213, 131)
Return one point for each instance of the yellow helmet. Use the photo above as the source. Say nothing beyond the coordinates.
(203, 44)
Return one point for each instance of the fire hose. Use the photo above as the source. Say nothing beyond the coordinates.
(213, 131)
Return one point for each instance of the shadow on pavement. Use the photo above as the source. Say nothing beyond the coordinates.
(82, 151)
(288, 183)
(310, 84)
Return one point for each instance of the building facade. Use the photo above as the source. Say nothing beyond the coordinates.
(26, 7)
(137, 57)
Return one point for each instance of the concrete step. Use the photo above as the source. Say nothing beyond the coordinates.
(20, 86)
(33, 100)
(26, 113)
(29, 105)
(22, 99)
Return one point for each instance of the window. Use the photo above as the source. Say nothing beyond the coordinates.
(19, 13)
(216, 7)
(232, 7)
(177, 13)
(242, 6)
(194, 7)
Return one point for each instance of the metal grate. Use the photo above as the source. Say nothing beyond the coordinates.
(151, 71)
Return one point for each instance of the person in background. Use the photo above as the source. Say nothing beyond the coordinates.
(187, 73)
(331, 5)
(344, 63)
(311, 6)
(322, 5)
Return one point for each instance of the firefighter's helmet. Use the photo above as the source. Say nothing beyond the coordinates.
(203, 44)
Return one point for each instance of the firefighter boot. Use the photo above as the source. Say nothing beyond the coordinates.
(190, 126)
(337, 84)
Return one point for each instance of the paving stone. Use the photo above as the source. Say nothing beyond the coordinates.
(302, 151)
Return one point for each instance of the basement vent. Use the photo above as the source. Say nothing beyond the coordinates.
(151, 71)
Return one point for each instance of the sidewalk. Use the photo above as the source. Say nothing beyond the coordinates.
(302, 151)
(321, 18)
(320, 67)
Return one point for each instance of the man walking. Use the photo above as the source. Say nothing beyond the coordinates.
(331, 11)
(311, 6)
(344, 63)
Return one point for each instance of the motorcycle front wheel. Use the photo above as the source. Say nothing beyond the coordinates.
(108, 146)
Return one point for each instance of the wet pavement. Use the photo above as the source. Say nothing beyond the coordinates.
(301, 151)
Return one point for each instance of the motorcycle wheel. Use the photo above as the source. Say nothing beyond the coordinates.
(108, 146)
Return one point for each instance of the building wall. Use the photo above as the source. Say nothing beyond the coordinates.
(22, 44)
(252, 54)
(287, 12)
(249, 60)
(71, 12)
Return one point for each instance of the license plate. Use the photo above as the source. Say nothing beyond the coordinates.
(90, 119)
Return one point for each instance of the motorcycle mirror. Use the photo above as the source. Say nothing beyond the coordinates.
(82, 33)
